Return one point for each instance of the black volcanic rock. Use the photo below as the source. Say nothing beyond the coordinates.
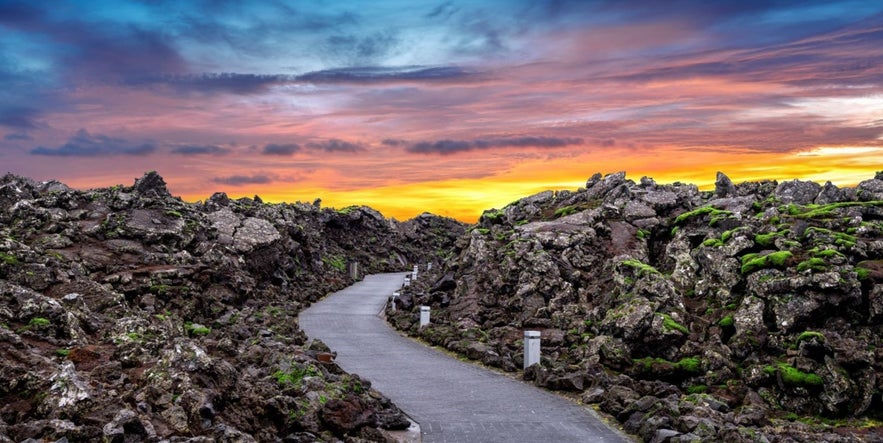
(752, 313)
(129, 315)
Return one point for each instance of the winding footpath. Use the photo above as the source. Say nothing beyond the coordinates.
(453, 401)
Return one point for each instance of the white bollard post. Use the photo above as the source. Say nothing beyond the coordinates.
(429, 266)
(424, 316)
(414, 273)
(395, 295)
(407, 281)
(531, 348)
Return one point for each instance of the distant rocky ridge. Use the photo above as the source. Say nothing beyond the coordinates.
(750, 313)
(129, 315)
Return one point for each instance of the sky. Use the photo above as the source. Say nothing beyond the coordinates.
(450, 107)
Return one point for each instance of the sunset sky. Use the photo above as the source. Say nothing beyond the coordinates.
(450, 107)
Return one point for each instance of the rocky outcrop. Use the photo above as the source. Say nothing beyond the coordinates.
(129, 315)
(747, 313)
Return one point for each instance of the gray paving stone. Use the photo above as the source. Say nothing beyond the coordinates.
(453, 401)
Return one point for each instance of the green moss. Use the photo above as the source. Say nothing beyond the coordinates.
(175, 214)
(670, 324)
(134, 336)
(37, 322)
(565, 211)
(62, 352)
(347, 210)
(863, 273)
(827, 211)
(766, 239)
(336, 262)
(196, 330)
(713, 243)
(493, 215)
(793, 376)
(643, 234)
(806, 335)
(697, 389)
(727, 321)
(9, 259)
(643, 268)
(727, 235)
(812, 264)
(689, 364)
(482, 231)
(295, 375)
(705, 210)
(754, 262)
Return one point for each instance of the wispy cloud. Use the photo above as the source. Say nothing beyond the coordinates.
(83, 144)
(445, 147)
(242, 180)
(15, 136)
(199, 150)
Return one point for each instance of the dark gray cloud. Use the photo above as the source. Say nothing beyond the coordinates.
(454, 146)
(14, 136)
(246, 84)
(241, 180)
(83, 144)
(212, 83)
(280, 149)
(200, 150)
(335, 145)
(377, 74)
(393, 142)
(18, 117)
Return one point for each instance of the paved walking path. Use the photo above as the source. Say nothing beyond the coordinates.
(452, 401)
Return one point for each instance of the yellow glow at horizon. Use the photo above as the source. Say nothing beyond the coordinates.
(466, 199)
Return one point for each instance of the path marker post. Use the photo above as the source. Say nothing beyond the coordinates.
(531, 348)
(408, 280)
(429, 266)
(424, 316)
(414, 273)
(395, 295)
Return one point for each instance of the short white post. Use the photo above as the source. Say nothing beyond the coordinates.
(424, 316)
(395, 295)
(414, 273)
(429, 266)
(531, 348)
(408, 280)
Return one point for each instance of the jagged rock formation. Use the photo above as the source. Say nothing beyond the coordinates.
(130, 315)
(753, 312)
